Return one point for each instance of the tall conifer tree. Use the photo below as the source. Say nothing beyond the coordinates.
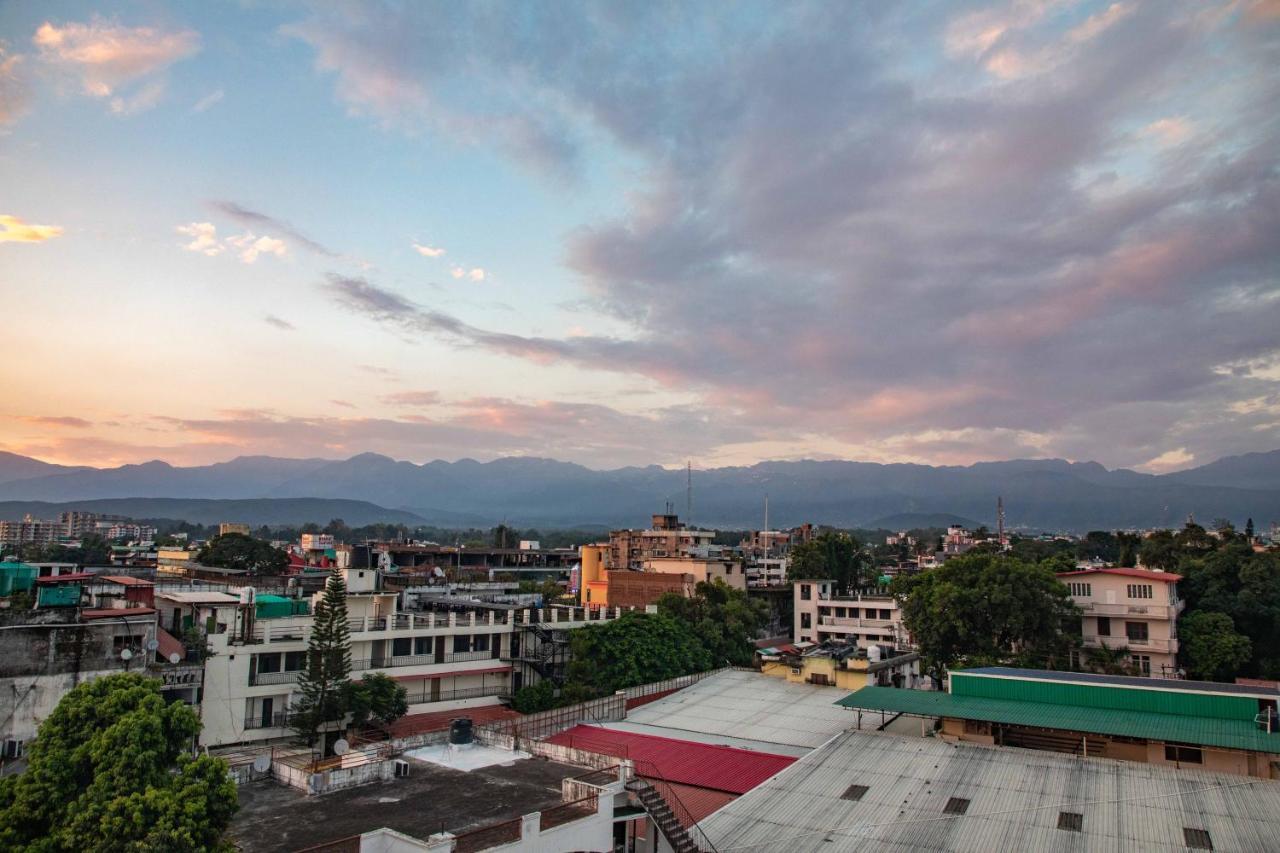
(323, 682)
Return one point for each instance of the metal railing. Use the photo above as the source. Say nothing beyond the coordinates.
(1152, 644)
(1150, 611)
(292, 675)
(278, 720)
(426, 696)
(852, 622)
(647, 770)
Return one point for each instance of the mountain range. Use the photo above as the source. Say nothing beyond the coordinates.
(1039, 494)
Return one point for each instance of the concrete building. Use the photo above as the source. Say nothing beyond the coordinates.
(1196, 724)
(867, 619)
(31, 531)
(233, 527)
(844, 665)
(1134, 611)
(665, 537)
(708, 569)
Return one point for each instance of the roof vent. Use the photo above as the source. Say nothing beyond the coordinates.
(855, 792)
(956, 805)
(1197, 839)
(1071, 821)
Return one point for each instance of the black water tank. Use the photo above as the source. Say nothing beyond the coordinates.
(460, 730)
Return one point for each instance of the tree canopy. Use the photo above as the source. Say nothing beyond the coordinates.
(832, 555)
(112, 769)
(237, 551)
(1211, 647)
(375, 697)
(635, 649)
(987, 608)
(724, 619)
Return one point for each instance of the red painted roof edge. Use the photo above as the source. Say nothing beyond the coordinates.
(1148, 574)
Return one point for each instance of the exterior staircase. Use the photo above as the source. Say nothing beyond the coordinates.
(660, 810)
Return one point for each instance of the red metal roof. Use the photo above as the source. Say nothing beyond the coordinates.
(115, 612)
(721, 768)
(169, 644)
(434, 721)
(74, 577)
(125, 580)
(1145, 574)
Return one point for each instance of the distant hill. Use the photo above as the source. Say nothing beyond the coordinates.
(254, 512)
(1048, 494)
(916, 520)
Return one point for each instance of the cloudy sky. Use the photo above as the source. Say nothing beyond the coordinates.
(641, 232)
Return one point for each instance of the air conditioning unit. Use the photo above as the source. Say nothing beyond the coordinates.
(402, 768)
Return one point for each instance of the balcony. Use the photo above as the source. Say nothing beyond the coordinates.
(1147, 611)
(278, 720)
(1151, 644)
(361, 665)
(849, 622)
(426, 696)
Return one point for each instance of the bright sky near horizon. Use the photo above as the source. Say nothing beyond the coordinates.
(627, 233)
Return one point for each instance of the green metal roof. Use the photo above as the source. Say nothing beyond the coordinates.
(1205, 731)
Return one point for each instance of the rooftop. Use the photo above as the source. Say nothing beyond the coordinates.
(277, 819)
(1261, 690)
(878, 792)
(1144, 574)
(748, 705)
(1205, 731)
(202, 597)
(704, 765)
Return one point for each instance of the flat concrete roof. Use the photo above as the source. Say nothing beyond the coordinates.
(277, 819)
(750, 706)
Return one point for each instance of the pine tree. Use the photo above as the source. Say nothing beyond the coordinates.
(1248, 530)
(323, 682)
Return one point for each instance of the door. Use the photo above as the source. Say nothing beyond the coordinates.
(1111, 596)
(268, 706)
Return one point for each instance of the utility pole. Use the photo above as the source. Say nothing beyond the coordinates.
(688, 509)
(766, 510)
(1000, 520)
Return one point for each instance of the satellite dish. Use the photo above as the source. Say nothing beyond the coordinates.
(341, 747)
(262, 763)
(153, 644)
(126, 654)
(174, 657)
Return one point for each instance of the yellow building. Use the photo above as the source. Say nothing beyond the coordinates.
(232, 527)
(847, 667)
(593, 583)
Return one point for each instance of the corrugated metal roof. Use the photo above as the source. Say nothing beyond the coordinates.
(1144, 574)
(115, 612)
(1206, 731)
(705, 765)
(752, 706)
(1015, 799)
(71, 577)
(1261, 689)
(126, 580)
(1115, 697)
(199, 597)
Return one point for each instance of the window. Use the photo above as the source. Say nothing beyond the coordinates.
(294, 661)
(855, 793)
(461, 643)
(1104, 626)
(806, 592)
(402, 646)
(977, 727)
(1071, 821)
(1136, 631)
(269, 663)
(481, 643)
(884, 614)
(840, 612)
(1083, 590)
(1143, 663)
(956, 805)
(1183, 754)
(422, 645)
(805, 621)
(1197, 839)
(1139, 590)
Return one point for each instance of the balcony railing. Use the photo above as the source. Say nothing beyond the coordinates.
(278, 720)
(1149, 611)
(423, 697)
(359, 665)
(849, 622)
(1151, 644)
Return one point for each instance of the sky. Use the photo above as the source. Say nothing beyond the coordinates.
(633, 233)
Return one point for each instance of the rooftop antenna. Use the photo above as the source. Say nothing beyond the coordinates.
(1000, 520)
(766, 510)
(688, 508)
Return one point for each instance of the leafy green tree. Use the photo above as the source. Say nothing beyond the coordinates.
(1159, 551)
(377, 697)
(535, 698)
(725, 619)
(635, 649)
(1211, 647)
(324, 681)
(1128, 554)
(835, 556)
(237, 551)
(112, 769)
(987, 608)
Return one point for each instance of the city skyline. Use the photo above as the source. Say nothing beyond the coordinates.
(626, 234)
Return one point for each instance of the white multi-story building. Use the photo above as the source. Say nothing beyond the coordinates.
(865, 619)
(1131, 611)
(445, 659)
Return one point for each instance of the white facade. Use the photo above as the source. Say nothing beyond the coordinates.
(865, 619)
